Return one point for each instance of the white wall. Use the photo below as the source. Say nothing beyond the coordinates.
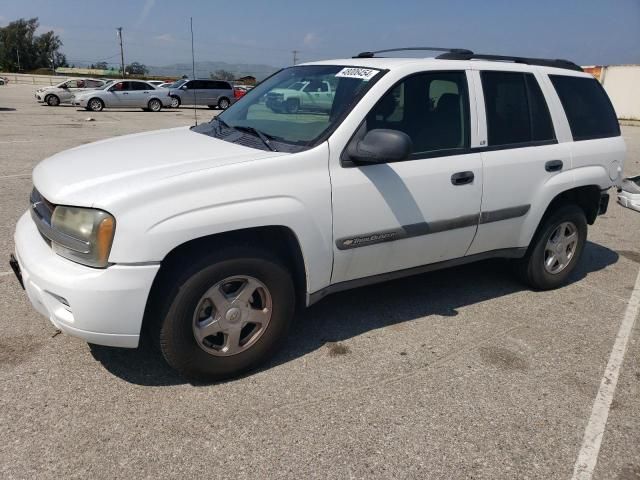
(622, 84)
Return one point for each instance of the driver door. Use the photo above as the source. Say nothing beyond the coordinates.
(394, 216)
(118, 94)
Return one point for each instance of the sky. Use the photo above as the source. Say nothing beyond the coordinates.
(156, 32)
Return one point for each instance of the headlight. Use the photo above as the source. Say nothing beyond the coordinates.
(87, 235)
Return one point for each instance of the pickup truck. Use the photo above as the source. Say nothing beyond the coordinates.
(301, 95)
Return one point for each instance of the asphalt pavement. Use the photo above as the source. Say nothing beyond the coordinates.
(462, 373)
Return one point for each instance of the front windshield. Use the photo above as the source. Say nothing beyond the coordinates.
(299, 104)
(178, 83)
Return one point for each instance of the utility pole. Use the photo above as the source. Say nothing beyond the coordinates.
(18, 54)
(121, 50)
(295, 56)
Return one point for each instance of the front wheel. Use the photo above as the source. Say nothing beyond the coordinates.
(175, 102)
(225, 313)
(555, 249)
(95, 105)
(53, 100)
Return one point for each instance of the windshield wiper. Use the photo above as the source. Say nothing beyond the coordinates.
(262, 136)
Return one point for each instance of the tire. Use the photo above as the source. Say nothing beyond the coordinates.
(224, 103)
(95, 105)
(154, 105)
(52, 100)
(175, 102)
(545, 267)
(292, 105)
(182, 339)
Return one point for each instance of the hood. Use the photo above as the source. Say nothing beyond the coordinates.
(100, 172)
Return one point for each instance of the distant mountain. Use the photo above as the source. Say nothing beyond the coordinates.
(203, 69)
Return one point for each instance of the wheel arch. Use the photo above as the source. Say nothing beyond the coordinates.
(276, 238)
(587, 197)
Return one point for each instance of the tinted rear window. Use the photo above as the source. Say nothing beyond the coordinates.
(517, 112)
(587, 106)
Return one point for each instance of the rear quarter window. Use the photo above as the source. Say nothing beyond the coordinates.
(587, 106)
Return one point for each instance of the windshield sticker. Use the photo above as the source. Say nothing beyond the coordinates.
(365, 74)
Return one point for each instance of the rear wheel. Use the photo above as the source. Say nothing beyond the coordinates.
(95, 105)
(52, 100)
(223, 103)
(154, 105)
(555, 249)
(292, 105)
(226, 313)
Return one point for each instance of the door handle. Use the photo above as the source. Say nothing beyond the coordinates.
(125, 93)
(553, 165)
(462, 178)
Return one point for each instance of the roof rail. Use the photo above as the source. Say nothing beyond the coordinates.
(460, 51)
(545, 62)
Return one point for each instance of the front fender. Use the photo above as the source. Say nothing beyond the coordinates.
(267, 192)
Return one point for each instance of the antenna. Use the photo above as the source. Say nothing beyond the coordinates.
(193, 72)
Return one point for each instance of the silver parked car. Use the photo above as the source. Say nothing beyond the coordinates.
(125, 94)
(212, 93)
(65, 91)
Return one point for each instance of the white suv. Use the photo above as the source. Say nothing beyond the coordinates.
(207, 238)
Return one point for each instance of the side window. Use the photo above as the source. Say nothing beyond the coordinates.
(587, 106)
(220, 85)
(516, 109)
(72, 84)
(93, 83)
(119, 87)
(432, 108)
(141, 86)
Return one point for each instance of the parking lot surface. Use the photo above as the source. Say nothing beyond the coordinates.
(462, 373)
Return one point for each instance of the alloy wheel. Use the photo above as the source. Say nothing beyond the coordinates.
(232, 315)
(561, 247)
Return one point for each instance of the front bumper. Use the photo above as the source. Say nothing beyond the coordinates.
(101, 306)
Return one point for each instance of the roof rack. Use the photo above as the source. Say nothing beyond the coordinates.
(460, 51)
(464, 54)
(545, 62)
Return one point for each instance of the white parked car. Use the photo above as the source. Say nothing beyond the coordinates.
(124, 94)
(208, 238)
(65, 91)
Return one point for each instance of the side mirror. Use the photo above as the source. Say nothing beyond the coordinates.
(381, 146)
(183, 87)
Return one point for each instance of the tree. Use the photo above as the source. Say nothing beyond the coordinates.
(101, 66)
(136, 68)
(222, 75)
(21, 49)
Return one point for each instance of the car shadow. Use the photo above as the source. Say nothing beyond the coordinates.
(7, 109)
(351, 313)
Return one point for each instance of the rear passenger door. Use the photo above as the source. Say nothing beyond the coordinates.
(139, 94)
(520, 156)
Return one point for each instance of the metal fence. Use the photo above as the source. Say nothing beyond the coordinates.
(25, 78)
